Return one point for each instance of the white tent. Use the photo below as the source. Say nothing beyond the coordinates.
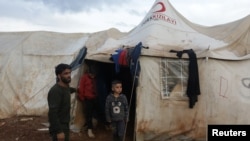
(27, 60)
(27, 68)
(223, 54)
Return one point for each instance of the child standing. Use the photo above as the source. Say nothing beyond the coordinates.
(116, 110)
(88, 96)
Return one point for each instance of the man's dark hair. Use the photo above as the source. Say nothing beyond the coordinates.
(114, 82)
(61, 67)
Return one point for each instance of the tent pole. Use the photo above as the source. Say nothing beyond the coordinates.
(131, 94)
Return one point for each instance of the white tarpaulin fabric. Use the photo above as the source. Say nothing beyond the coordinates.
(224, 100)
(224, 84)
(27, 62)
(164, 29)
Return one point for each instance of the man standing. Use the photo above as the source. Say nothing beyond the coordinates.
(59, 104)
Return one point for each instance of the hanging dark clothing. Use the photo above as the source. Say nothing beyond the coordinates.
(193, 86)
(115, 58)
(135, 63)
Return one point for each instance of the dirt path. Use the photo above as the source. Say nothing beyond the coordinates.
(26, 129)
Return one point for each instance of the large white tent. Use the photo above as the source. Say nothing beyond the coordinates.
(223, 54)
(27, 68)
(27, 61)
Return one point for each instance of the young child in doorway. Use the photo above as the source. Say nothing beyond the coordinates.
(88, 96)
(116, 110)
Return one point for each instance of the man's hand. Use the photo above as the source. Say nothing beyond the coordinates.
(60, 136)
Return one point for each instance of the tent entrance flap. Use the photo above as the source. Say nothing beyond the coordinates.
(79, 59)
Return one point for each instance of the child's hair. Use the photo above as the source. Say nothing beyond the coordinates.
(114, 82)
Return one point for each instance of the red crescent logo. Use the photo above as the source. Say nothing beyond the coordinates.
(162, 9)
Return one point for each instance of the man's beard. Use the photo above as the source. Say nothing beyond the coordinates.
(66, 80)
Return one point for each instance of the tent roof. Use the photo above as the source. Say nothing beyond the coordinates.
(164, 29)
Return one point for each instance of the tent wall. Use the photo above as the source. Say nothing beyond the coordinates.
(224, 100)
(27, 62)
(226, 85)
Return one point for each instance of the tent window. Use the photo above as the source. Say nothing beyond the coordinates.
(174, 77)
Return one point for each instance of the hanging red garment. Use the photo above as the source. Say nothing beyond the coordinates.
(123, 58)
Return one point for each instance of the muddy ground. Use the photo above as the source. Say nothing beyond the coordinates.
(33, 128)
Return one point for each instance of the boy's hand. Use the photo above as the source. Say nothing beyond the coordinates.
(125, 120)
(108, 126)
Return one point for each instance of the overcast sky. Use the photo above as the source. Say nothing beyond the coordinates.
(89, 16)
